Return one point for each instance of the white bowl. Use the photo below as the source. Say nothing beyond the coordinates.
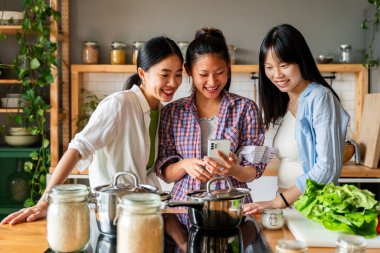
(11, 102)
(21, 140)
(19, 131)
(13, 95)
(16, 16)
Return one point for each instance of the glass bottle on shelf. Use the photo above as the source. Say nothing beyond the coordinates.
(345, 52)
(18, 184)
(136, 46)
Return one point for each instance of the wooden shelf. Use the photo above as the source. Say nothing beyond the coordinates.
(10, 29)
(10, 81)
(14, 110)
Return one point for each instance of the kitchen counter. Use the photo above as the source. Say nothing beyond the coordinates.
(31, 237)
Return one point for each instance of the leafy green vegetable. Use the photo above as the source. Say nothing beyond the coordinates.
(340, 208)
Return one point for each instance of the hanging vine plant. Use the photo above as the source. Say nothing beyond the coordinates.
(372, 24)
(32, 64)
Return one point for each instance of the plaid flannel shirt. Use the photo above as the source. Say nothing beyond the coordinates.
(180, 137)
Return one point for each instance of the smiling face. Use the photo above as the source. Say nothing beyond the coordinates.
(160, 82)
(210, 75)
(285, 76)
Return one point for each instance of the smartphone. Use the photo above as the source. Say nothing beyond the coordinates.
(223, 145)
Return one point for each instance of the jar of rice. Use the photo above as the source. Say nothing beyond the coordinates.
(68, 218)
(140, 220)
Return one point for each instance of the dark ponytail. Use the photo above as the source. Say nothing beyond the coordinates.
(209, 41)
(154, 51)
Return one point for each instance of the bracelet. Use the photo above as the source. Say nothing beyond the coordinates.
(284, 199)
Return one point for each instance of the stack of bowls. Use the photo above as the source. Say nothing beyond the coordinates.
(20, 136)
(12, 100)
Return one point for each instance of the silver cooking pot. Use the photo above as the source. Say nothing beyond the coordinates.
(106, 198)
(217, 209)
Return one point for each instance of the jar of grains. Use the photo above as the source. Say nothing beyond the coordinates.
(140, 220)
(136, 47)
(118, 54)
(290, 246)
(90, 54)
(351, 244)
(68, 218)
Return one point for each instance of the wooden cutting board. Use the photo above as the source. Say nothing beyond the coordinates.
(314, 234)
(369, 132)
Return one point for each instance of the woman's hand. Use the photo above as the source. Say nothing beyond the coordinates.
(229, 165)
(195, 168)
(256, 207)
(27, 214)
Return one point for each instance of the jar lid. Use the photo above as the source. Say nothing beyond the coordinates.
(138, 44)
(69, 193)
(272, 211)
(291, 246)
(142, 201)
(345, 46)
(118, 44)
(183, 43)
(91, 43)
(354, 242)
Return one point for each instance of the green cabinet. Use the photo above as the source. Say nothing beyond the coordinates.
(9, 163)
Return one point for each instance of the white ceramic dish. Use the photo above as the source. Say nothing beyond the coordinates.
(19, 131)
(13, 95)
(21, 140)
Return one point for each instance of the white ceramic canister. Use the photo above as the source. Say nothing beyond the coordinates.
(272, 218)
(68, 218)
(140, 220)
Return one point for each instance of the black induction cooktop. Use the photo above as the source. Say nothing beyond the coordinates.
(180, 238)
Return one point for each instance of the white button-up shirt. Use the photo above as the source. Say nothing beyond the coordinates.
(116, 139)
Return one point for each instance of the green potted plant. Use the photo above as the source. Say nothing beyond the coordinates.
(372, 24)
(32, 64)
(90, 102)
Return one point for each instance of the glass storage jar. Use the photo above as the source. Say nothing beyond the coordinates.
(232, 50)
(345, 52)
(272, 218)
(140, 219)
(290, 246)
(351, 244)
(118, 53)
(68, 218)
(183, 45)
(136, 46)
(90, 53)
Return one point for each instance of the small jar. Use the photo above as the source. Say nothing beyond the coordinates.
(90, 53)
(140, 220)
(231, 50)
(345, 52)
(118, 53)
(351, 244)
(68, 218)
(136, 47)
(272, 218)
(291, 246)
(183, 45)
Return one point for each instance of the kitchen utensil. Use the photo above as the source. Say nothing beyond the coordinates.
(314, 234)
(369, 132)
(106, 198)
(217, 209)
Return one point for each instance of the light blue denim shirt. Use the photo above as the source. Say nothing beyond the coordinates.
(320, 135)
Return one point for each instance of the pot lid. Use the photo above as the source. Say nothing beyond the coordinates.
(220, 194)
(125, 188)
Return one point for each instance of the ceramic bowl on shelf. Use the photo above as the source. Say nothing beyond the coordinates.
(19, 131)
(11, 17)
(21, 140)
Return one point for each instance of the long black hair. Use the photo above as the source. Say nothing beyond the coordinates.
(154, 51)
(289, 46)
(209, 41)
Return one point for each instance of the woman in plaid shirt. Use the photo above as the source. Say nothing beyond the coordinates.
(211, 112)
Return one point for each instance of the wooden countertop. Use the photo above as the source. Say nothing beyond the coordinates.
(350, 169)
(31, 238)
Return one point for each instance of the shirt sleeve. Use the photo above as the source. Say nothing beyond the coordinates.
(167, 153)
(252, 134)
(328, 129)
(100, 130)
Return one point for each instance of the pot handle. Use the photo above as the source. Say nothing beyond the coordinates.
(196, 205)
(127, 173)
(208, 186)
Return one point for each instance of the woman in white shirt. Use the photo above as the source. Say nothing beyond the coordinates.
(121, 133)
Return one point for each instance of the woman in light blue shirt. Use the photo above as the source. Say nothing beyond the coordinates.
(312, 121)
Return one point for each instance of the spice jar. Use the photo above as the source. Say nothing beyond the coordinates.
(68, 218)
(273, 218)
(140, 219)
(136, 47)
(345, 52)
(231, 50)
(291, 246)
(118, 54)
(351, 244)
(90, 53)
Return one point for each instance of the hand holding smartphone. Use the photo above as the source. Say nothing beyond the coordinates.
(223, 145)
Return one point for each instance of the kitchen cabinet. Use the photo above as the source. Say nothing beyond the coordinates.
(9, 155)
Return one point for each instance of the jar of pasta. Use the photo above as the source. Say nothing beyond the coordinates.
(68, 218)
(136, 47)
(140, 219)
(90, 53)
(118, 53)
